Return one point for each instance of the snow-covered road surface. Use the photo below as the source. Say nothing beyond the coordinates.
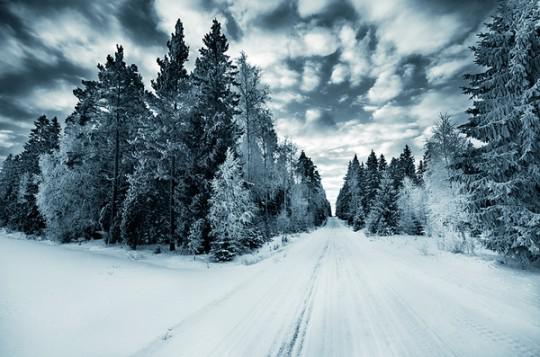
(331, 293)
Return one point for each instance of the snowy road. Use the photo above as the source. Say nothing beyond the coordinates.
(332, 293)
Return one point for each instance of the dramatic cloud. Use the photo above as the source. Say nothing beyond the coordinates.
(346, 76)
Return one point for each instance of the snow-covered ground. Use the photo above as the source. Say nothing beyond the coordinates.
(329, 293)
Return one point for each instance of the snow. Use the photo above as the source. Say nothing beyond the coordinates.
(332, 292)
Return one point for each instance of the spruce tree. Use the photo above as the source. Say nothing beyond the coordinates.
(231, 212)
(372, 181)
(215, 106)
(504, 117)
(383, 216)
(382, 163)
(406, 161)
(23, 214)
(121, 94)
(160, 151)
(258, 142)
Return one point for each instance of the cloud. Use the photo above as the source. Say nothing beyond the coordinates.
(317, 41)
(312, 115)
(280, 76)
(411, 27)
(340, 73)
(310, 77)
(355, 53)
(311, 7)
(387, 86)
(345, 76)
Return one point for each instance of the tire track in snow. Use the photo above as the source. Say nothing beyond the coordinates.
(293, 347)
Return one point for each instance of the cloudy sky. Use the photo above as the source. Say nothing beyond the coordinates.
(346, 76)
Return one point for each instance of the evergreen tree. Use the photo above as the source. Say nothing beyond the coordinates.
(406, 161)
(160, 152)
(446, 202)
(215, 107)
(359, 216)
(382, 163)
(121, 100)
(231, 212)
(258, 142)
(411, 204)
(23, 176)
(372, 179)
(309, 181)
(505, 118)
(383, 216)
(344, 196)
(95, 152)
(420, 172)
(9, 183)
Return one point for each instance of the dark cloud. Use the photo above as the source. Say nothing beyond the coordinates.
(140, 21)
(339, 12)
(39, 74)
(283, 17)
(232, 28)
(35, 64)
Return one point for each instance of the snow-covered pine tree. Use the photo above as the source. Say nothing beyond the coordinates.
(23, 212)
(406, 163)
(359, 216)
(383, 216)
(160, 153)
(120, 114)
(344, 196)
(215, 106)
(94, 155)
(373, 178)
(285, 170)
(258, 142)
(411, 205)
(420, 172)
(382, 164)
(505, 118)
(446, 201)
(9, 182)
(231, 212)
(310, 182)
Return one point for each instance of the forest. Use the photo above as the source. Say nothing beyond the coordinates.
(478, 181)
(194, 162)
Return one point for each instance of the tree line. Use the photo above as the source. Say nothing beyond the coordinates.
(479, 181)
(194, 163)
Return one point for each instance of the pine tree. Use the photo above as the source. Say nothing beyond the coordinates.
(372, 181)
(9, 182)
(382, 163)
(215, 107)
(344, 196)
(359, 216)
(94, 155)
(383, 216)
(446, 203)
(160, 151)
(23, 214)
(121, 94)
(406, 161)
(231, 212)
(506, 177)
(420, 172)
(309, 182)
(411, 204)
(258, 142)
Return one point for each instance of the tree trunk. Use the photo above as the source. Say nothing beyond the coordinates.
(112, 231)
(172, 246)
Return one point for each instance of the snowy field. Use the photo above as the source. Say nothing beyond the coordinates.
(329, 293)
